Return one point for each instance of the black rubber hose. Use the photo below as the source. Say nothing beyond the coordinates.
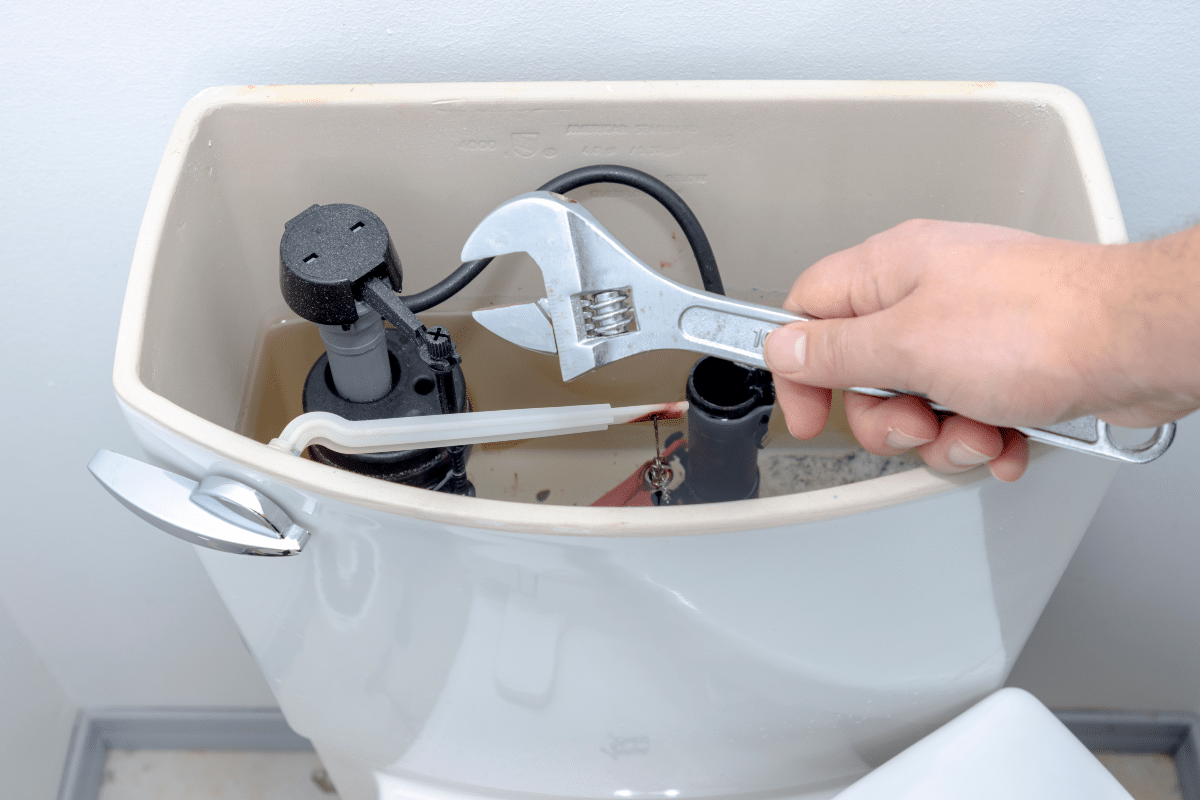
(453, 283)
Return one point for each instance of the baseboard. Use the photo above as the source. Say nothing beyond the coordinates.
(96, 732)
(1173, 734)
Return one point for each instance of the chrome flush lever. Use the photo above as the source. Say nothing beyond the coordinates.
(219, 513)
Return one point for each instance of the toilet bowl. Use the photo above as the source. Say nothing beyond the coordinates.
(521, 643)
(1008, 746)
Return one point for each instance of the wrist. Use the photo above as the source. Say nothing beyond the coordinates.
(1157, 325)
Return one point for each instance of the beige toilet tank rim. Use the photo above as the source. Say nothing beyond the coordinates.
(260, 463)
(170, 183)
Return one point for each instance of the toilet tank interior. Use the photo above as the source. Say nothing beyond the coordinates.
(779, 174)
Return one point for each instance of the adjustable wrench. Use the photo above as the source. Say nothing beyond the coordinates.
(603, 304)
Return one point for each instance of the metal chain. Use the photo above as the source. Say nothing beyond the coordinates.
(658, 474)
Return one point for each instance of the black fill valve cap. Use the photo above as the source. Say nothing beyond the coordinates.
(325, 252)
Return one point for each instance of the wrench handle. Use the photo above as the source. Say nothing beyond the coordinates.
(739, 332)
(1084, 434)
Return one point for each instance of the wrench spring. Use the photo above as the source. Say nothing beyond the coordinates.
(608, 313)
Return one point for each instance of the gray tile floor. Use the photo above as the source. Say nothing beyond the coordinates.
(1149, 776)
(243, 775)
(211, 775)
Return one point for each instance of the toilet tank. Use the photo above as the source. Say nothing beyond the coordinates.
(524, 642)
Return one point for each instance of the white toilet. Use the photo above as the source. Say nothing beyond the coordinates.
(1009, 746)
(435, 646)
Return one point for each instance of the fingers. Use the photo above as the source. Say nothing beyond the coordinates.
(893, 312)
(842, 353)
(961, 445)
(1013, 460)
(806, 408)
(891, 426)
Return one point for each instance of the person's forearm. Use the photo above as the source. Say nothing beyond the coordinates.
(1157, 331)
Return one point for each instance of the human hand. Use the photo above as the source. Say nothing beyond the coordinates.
(1005, 327)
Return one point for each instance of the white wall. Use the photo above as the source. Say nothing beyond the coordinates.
(1123, 628)
(121, 614)
(36, 718)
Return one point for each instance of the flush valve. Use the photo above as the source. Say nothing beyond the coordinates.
(339, 270)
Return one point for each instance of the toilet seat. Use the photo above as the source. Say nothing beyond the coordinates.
(1008, 746)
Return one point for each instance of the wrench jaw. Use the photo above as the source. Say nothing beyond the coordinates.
(525, 325)
(575, 359)
(603, 303)
(535, 223)
(599, 352)
(583, 267)
(538, 223)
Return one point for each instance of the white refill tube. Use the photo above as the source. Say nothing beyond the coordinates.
(447, 430)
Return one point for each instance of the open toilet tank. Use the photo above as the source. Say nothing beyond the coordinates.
(433, 645)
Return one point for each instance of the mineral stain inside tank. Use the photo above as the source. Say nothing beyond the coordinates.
(578, 469)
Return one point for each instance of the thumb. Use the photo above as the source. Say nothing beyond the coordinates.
(837, 353)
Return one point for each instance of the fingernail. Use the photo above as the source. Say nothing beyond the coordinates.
(997, 476)
(904, 441)
(962, 456)
(784, 351)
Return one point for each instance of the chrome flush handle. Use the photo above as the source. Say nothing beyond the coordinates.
(219, 513)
